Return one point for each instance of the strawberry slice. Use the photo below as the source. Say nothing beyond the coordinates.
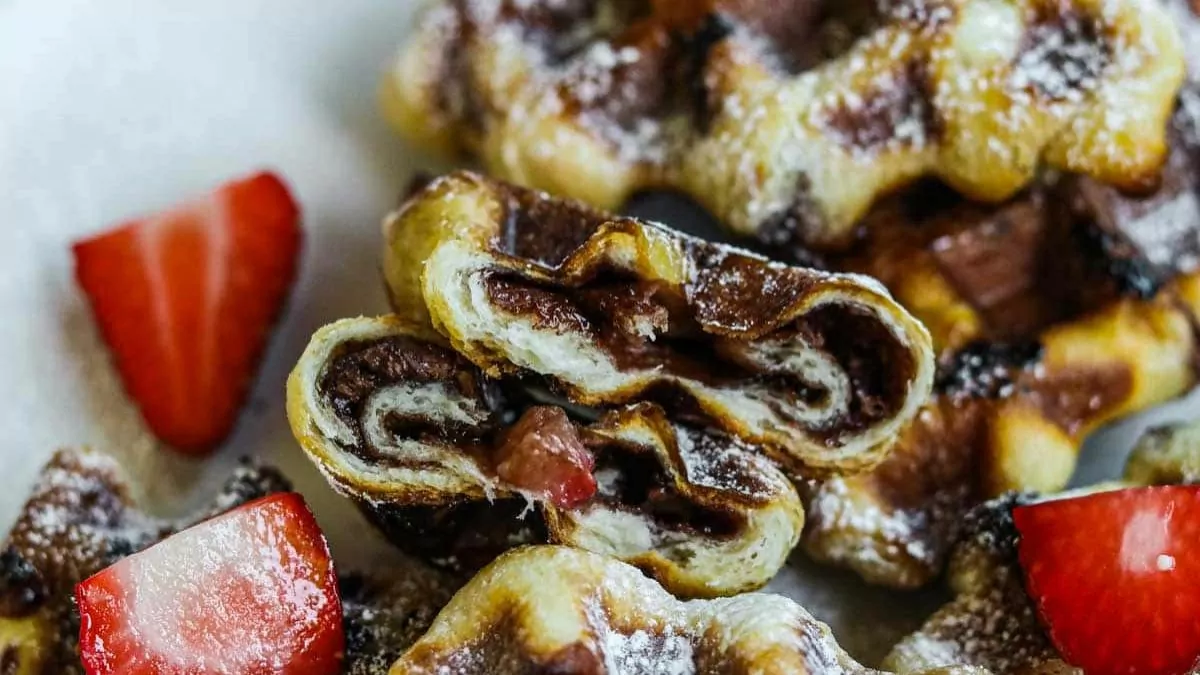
(249, 592)
(1116, 578)
(542, 454)
(186, 299)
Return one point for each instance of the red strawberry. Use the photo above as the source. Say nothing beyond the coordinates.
(250, 592)
(186, 299)
(542, 454)
(1116, 578)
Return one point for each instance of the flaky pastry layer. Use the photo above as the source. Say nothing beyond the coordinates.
(819, 369)
(413, 433)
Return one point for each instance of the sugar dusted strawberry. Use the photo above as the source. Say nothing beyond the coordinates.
(542, 454)
(249, 592)
(186, 299)
(1116, 578)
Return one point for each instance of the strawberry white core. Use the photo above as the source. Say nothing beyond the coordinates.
(228, 595)
(1145, 541)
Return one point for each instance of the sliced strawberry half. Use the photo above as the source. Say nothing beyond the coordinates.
(252, 591)
(543, 455)
(1116, 578)
(186, 300)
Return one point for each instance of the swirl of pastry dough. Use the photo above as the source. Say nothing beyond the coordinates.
(415, 435)
(820, 369)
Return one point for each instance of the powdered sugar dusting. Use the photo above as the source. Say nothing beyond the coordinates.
(883, 541)
(715, 460)
(934, 87)
(644, 653)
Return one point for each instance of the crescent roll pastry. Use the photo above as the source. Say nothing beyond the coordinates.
(820, 369)
(551, 609)
(79, 520)
(1053, 314)
(425, 444)
(729, 101)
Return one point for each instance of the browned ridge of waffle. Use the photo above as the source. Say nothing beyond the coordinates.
(787, 120)
(413, 433)
(1067, 307)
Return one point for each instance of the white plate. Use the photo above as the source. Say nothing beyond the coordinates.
(111, 109)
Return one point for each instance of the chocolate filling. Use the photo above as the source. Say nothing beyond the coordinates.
(639, 327)
(359, 369)
(640, 485)
(464, 536)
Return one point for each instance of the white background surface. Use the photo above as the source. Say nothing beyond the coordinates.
(113, 108)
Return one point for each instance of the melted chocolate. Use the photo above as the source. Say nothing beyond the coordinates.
(1071, 399)
(879, 367)
(460, 537)
(548, 309)
(362, 368)
(1000, 265)
(642, 486)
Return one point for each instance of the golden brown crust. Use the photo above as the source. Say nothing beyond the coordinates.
(820, 369)
(554, 609)
(597, 99)
(1063, 309)
(412, 432)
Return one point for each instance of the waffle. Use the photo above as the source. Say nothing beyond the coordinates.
(559, 610)
(610, 310)
(411, 432)
(79, 520)
(991, 622)
(1063, 309)
(1168, 455)
(729, 102)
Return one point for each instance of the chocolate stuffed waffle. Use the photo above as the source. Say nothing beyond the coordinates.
(760, 111)
(820, 370)
(454, 468)
(1067, 307)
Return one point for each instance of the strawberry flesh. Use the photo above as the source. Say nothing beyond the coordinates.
(252, 591)
(1115, 578)
(185, 300)
(543, 455)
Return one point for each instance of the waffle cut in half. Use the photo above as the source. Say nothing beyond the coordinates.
(424, 443)
(761, 110)
(820, 370)
(1065, 308)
